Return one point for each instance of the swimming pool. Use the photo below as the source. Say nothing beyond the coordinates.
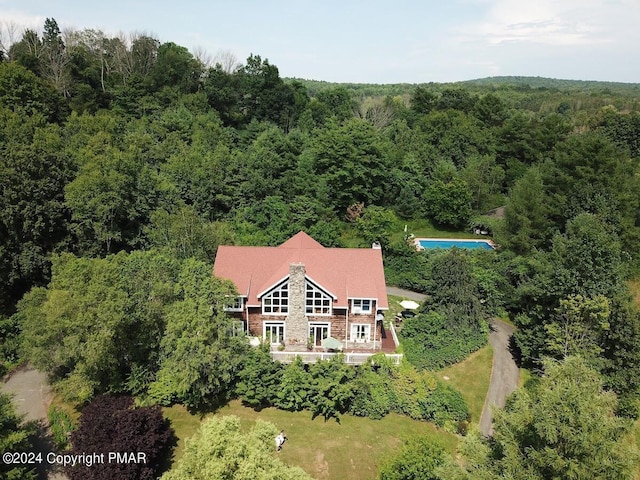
(429, 243)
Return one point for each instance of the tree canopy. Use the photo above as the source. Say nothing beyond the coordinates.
(220, 449)
(564, 426)
(125, 161)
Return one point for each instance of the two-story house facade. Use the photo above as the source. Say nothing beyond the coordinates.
(301, 293)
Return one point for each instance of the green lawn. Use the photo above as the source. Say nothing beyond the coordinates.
(423, 228)
(394, 306)
(471, 377)
(351, 449)
(634, 288)
(419, 228)
(184, 423)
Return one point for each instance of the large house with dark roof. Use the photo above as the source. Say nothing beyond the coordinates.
(301, 293)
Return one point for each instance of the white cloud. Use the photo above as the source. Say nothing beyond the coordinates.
(553, 22)
(20, 19)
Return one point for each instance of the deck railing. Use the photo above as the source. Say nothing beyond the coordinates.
(349, 358)
(394, 335)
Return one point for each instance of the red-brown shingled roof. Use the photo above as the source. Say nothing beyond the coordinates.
(343, 272)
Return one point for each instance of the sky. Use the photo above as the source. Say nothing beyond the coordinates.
(373, 41)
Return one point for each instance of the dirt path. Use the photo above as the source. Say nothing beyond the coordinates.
(32, 396)
(504, 374)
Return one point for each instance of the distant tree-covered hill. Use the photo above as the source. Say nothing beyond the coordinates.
(499, 82)
(536, 94)
(553, 83)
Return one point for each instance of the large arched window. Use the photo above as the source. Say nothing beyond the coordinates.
(276, 302)
(316, 301)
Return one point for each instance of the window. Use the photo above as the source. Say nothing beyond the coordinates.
(277, 302)
(360, 305)
(360, 332)
(237, 328)
(317, 333)
(317, 302)
(234, 304)
(274, 333)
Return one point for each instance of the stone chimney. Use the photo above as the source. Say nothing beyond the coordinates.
(297, 323)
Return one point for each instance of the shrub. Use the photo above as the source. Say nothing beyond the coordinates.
(411, 388)
(431, 342)
(295, 388)
(407, 268)
(445, 404)
(332, 387)
(417, 460)
(61, 426)
(221, 449)
(14, 438)
(373, 393)
(259, 379)
(112, 424)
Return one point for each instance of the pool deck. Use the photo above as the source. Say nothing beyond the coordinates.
(488, 241)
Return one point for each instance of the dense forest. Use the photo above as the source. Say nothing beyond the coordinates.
(125, 162)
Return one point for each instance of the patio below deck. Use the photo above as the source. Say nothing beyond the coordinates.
(352, 356)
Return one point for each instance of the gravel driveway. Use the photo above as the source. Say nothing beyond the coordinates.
(401, 292)
(32, 396)
(504, 374)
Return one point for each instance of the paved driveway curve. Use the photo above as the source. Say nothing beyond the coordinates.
(504, 374)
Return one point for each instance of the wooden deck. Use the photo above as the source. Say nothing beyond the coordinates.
(389, 340)
(351, 356)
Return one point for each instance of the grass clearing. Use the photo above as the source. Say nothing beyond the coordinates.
(423, 228)
(183, 423)
(471, 378)
(525, 376)
(634, 288)
(350, 237)
(68, 408)
(395, 307)
(632, 439)
(351, 449)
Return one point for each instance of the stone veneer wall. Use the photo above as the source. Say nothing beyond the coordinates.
(337, 320)
(297, 324)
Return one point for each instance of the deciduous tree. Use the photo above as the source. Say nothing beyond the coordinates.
(33, 219)
(220, 449)
(376, 225)
(350, 160)
(111, 424)
(562, 427)
(14, 439)
(201, 357)
(98, 327)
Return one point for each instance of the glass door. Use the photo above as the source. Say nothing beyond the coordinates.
(274, 333)
(318, 332)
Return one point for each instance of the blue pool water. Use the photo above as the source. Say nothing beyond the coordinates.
(428, 243)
